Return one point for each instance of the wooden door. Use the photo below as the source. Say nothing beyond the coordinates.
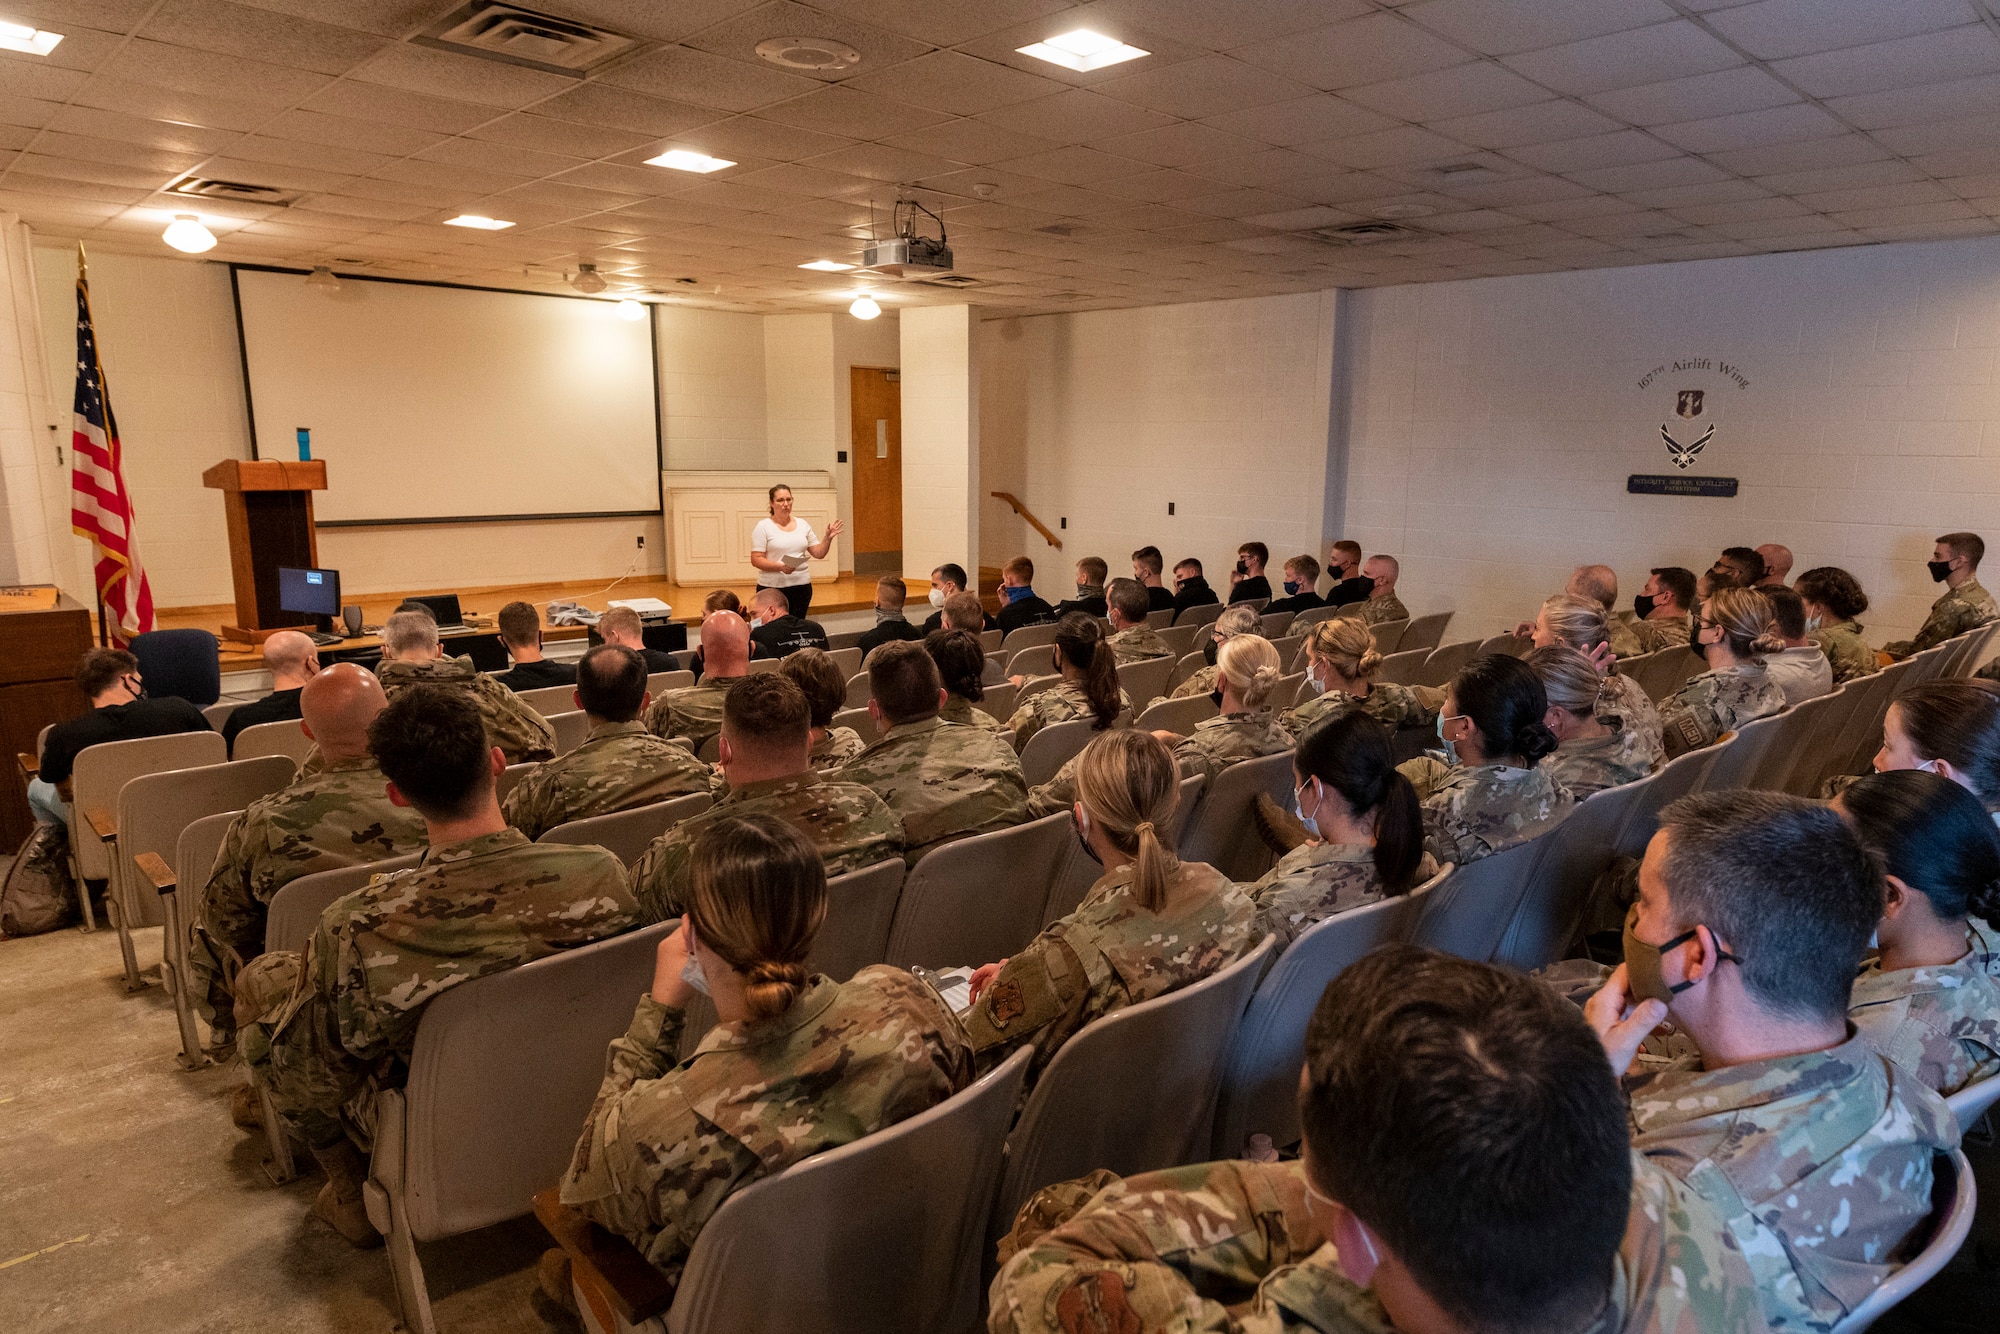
(876, 449)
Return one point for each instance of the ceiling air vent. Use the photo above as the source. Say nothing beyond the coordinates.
(203, 188)
(953, 280)
(1360, 233)
(517, 36)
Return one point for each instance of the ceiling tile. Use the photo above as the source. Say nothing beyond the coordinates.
(1237, 203)
(741, 137)
(1841, 151)
(1461, 90)
(497, 157)
(1300, 120)
(947, 25)
(1751, 129)
(420, 69)
(1525, 190)
(1763, 209)
(80, 169)
(82, 49)
(1626, 59)
(1404, 146)
(1180, 145)
(204, 71)
(1074, 166)
(1744, 88)
(1648, 175)
(1839, 178)
(879, 162)
(319, 157)
(957, 83)
(738, 36)
(851, 113)
(705, 79)
(430, 172)
(1620, 148)
(139, 129)
(391, 106)
(50, 82)
(1542, 123)
(1775, 29)
(1680, 198)
(1356, 51)
(90, 148)
(1955, 53)
(525, 130)
(237, 30)
(1936, 136)
(622, 109)
(384, 18)
(1224, 27)
(1875, 196)
(33, 113)
(346, 132)
(967, 140)
(1205, 87)
(1077, 116)
(1502, 27)
(1156, 187)
(1947, 210)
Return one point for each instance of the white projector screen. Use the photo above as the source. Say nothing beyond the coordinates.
(431, 402)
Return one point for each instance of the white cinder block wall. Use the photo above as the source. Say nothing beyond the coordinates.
(941, 464)
(711, 388)
(1105, 417)
(1493, 422)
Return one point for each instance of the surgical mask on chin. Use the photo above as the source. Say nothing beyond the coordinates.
(937, 597)
(692, 975)
(1299, 809)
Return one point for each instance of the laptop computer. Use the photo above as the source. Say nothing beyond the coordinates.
(444, 609)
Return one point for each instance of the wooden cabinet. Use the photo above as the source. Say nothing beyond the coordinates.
(39, 649)
(711, 515)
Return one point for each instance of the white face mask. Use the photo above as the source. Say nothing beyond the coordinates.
(937, 597)
(1299, 805)
(1313, 679)
(691, 970)
(1812, 624)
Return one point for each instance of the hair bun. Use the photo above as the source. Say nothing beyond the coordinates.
(1368, 663)
(1534, 741)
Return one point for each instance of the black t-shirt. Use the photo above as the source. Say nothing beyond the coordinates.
(163, 716)
(788, 634)
(1349, 591)
(1030, 610)
(277, 707)
(1194, 592)
(1088, 606)
(1162, 599)
(538, 675)
(1296, 603)
(887, 632)
(1250, 586)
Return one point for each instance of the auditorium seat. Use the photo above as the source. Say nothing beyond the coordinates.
(1426, 631)
(860, 908)
(100, 773)
(1177, 715)
(287, 737)
(1223, 830)
(980, 899)
(630, 832)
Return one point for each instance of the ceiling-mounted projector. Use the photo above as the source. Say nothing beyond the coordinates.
(908, 254)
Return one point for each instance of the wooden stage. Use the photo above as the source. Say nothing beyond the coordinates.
(847, 593)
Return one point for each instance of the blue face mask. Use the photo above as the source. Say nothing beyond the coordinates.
(1299, 808)
(1291, 587)
(1450, 749)
(1016, 594)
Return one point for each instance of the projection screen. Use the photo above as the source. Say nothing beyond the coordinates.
(432, 402)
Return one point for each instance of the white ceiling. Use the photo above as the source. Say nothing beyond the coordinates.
(1604, 132)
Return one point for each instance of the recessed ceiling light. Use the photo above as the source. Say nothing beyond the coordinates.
(484, 224)
(683, 159)
(1083, 51)
(29, 41)
(827, 266)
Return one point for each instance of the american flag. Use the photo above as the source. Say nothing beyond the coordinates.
(100, 506)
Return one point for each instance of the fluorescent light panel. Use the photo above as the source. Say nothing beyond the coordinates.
(483, 224)
(29, 41)
(684, 159)
(1083, 51)
(827, 266)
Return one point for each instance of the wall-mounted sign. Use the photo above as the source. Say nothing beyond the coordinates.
(1674, 484)
(1697, 390)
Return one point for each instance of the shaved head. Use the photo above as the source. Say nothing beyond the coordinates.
(725, 645)
(338, 705)
(291, 658)
(1777, 562)
(1594, 583)
(771, 603)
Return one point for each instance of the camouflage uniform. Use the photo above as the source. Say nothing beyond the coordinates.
(1589, 766)
(944, 781)
(1966, 607)
(1846, 651)
(958, 709)
(1315, 881)
(1622, 704)
(341, 816)
(1665, 633)
(1232, 1248)
(1138, 643)
(521, 733)
(1818, 1164)
(692, 713)
(850, 826)
(1475, 812)
(1942, 1024)
(1201, 683)
(836, 747)
(1718, 701)
(1394, 706)
(1058, 704)
(1380, 611)
(1217, 743)
(668, 1141)
(618, 766)
(1108, 954)
(340, 1021)
(1622, 638)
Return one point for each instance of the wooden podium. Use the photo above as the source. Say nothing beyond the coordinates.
(42, 635)
(269, 503)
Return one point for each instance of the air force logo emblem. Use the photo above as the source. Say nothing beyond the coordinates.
(1687, 405)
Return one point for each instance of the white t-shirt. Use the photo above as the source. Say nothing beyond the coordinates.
(774, 543)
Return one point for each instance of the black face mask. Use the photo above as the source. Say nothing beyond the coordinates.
(1216, 697)
(1700, 649)
(1642, 606)
(1208, 652)
(1940, 570)
(1083, 842)
(1242, 567)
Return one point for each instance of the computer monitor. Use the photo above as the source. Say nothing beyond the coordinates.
(311, 592)
(444, 610)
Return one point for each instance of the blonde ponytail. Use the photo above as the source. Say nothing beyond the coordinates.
(1250, 665)
(1129, 784)
(756, 899)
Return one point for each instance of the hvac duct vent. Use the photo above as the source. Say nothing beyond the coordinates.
(1360, 233)
(953, 280)
(517, 36)
(202, 187)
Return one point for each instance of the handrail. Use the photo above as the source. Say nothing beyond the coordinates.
(1028, 514)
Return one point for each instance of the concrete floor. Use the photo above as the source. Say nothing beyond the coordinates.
(129, 1201)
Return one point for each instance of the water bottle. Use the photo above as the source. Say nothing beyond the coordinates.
(305, 444)
(1261, 1150)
